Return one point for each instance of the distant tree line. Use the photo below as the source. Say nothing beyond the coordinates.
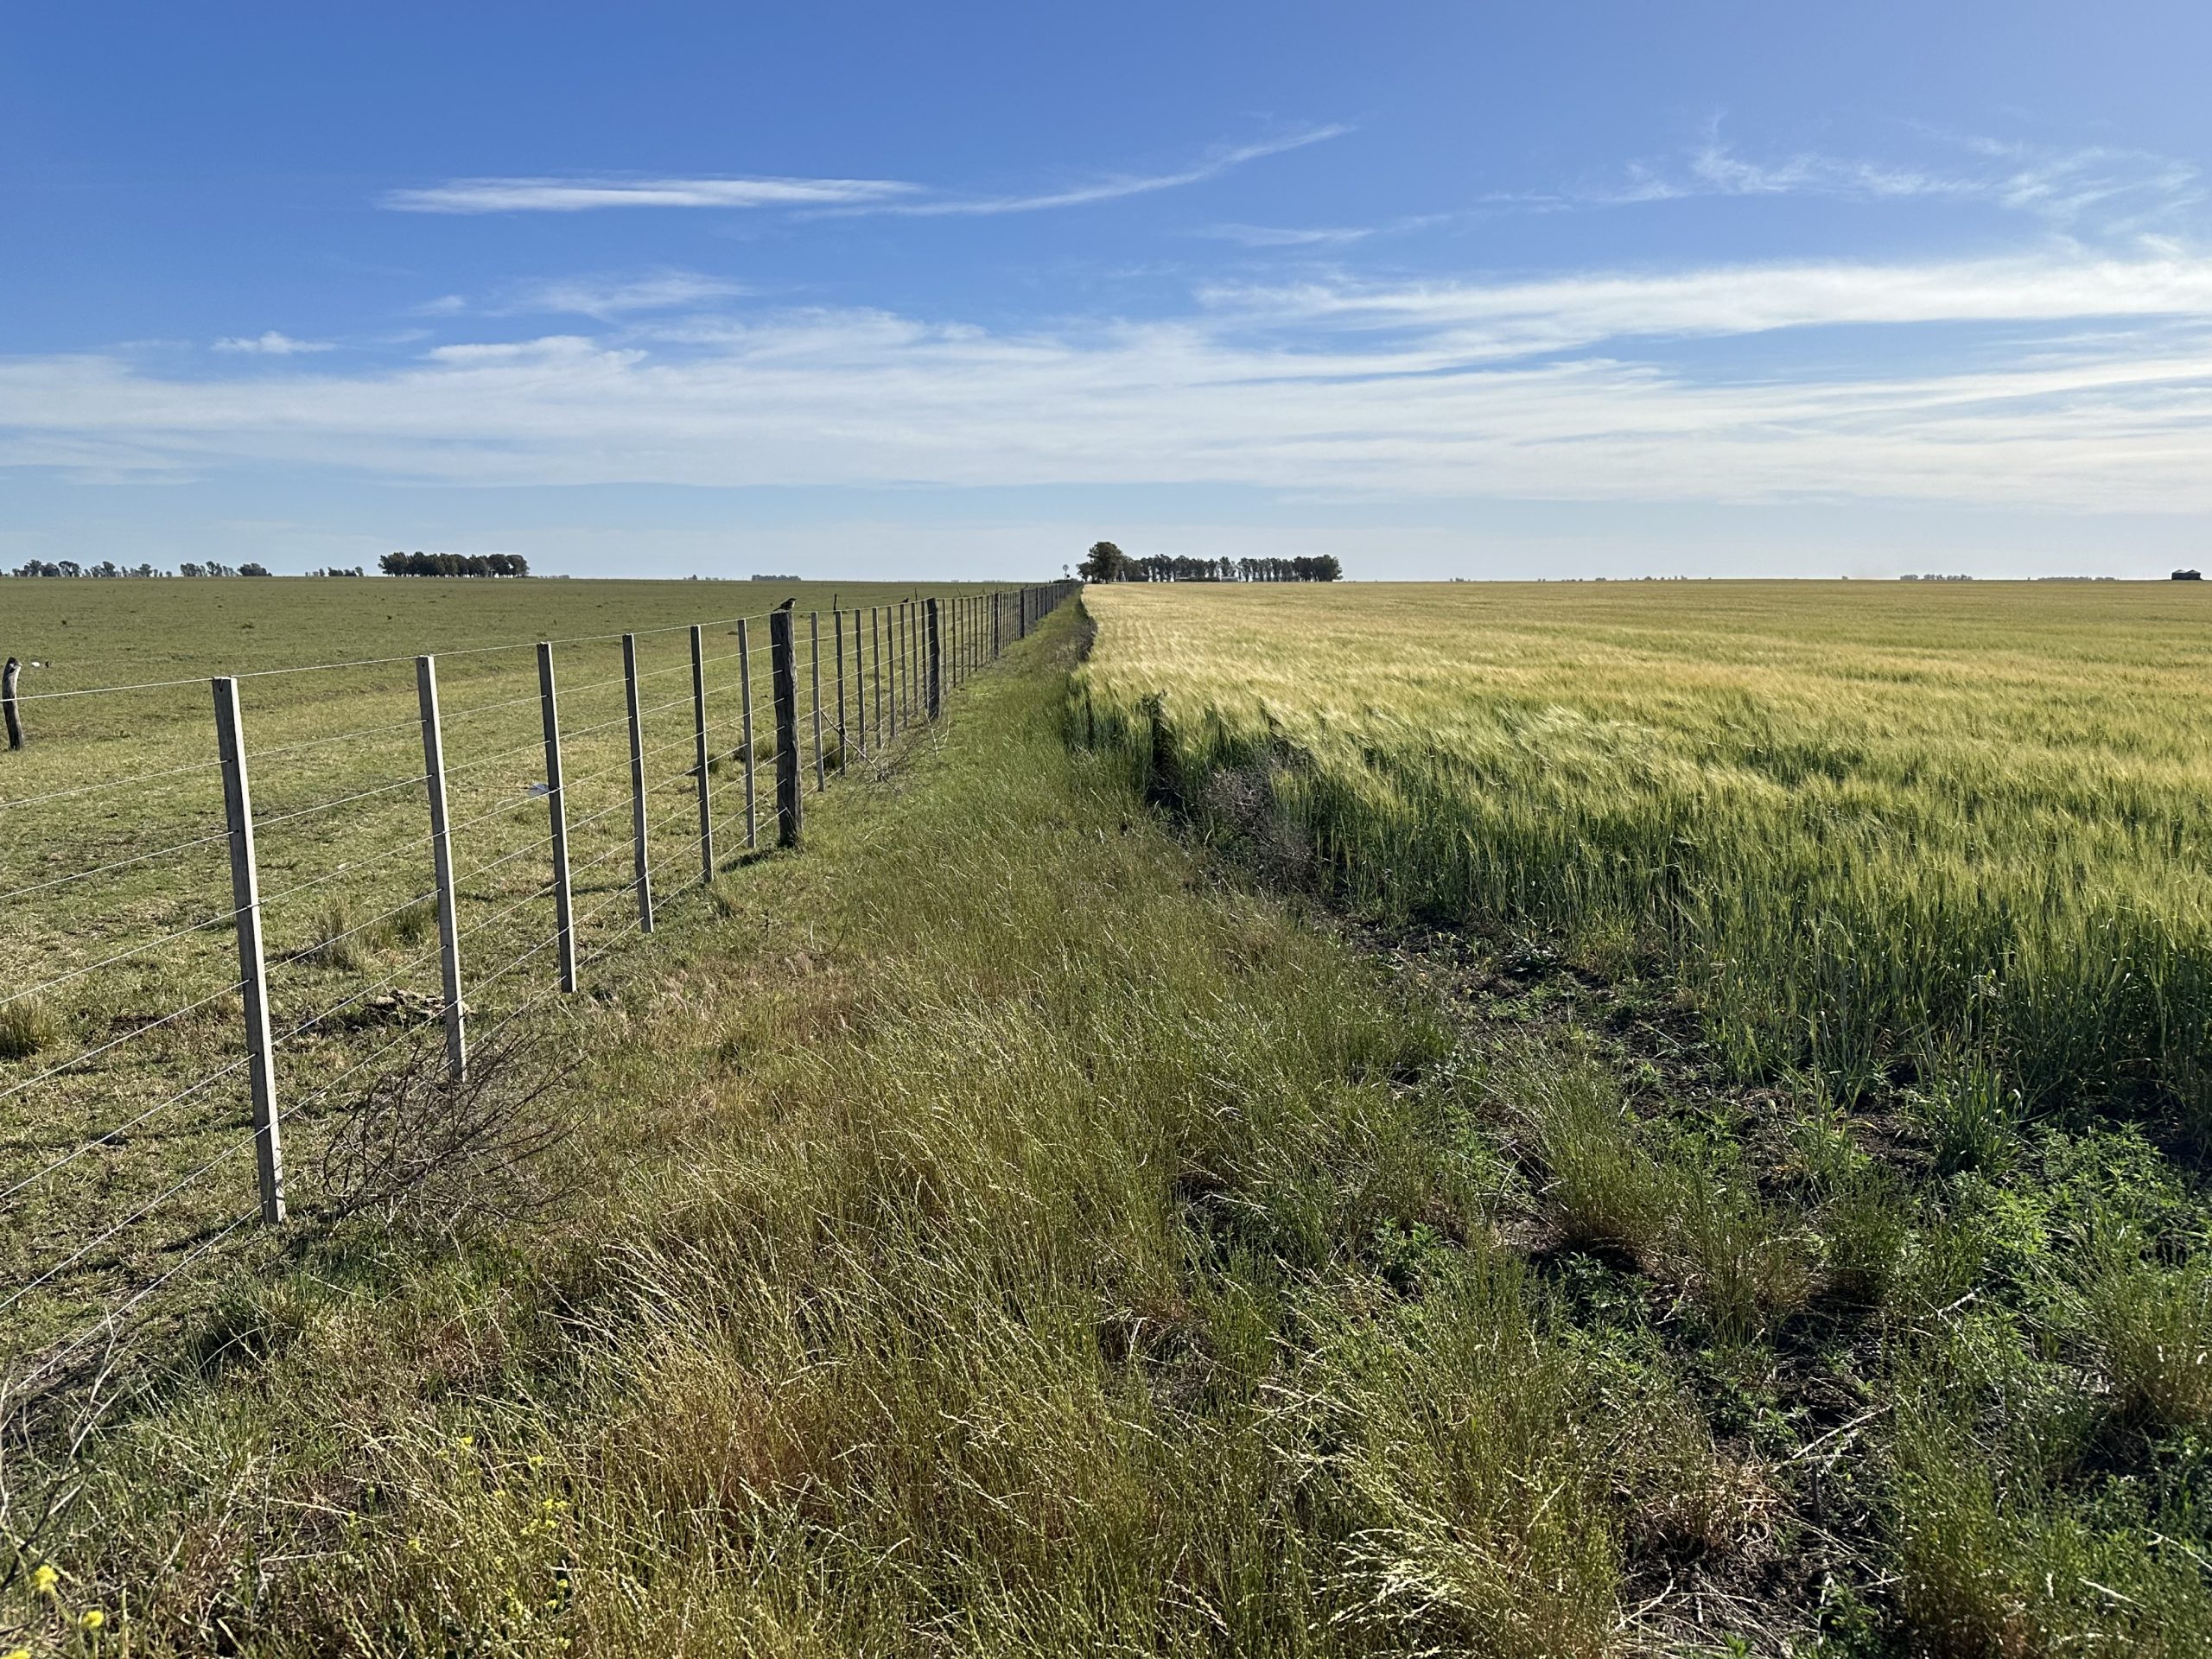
(453, 564)
(1106, 562)
(109, 568)
(71, 567)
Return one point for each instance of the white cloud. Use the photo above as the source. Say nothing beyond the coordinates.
(572, 195)
(1116, 186)
(2111, 191)
(271, 344)
(1588, 387)
(613, 296)
(1269, 235)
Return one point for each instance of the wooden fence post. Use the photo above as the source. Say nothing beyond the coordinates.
(565, 907)
(934, 689)
(860, 683)
(701, 754)
(253, 968)
(783, 668)
(10, 680)
(875, 642)
(744, 694)
(641, 856)
(434, 772)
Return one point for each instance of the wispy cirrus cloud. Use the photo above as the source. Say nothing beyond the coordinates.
(1273, 236)
(607, 297)
(587, 194)
(271, 344)
(1115, 187)
(2104, 189)
(841, 196)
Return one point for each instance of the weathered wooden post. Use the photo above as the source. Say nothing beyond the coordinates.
(253, 968)
(784, 669)
(935, 684)
(10, 685)
(434, 773)
(700, 752)
(745, 699)
(860, 683)
(565, 907)
(640, 857)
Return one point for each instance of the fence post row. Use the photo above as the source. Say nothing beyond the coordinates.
(434, 772)
(565, 910)
(783, 670)
(253, 968)
(701, 754)
(641, 857)
(745, 700)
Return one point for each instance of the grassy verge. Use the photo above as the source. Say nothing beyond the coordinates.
(1006, 1239)
(1004, 1232)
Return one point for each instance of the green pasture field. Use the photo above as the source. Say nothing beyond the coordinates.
(1890, 907)
(114, 874)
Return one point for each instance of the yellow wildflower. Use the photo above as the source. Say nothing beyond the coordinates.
(92, 1618)
(44, 1580)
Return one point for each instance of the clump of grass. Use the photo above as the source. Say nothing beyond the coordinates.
(337, 941)
(1992, 1564)
(27, 1024)
(416, 923)
(341, 940)
(1971, 1118)
(2151, 1330)
(1677, 1216)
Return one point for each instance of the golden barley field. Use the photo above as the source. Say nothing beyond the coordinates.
(1879, 828)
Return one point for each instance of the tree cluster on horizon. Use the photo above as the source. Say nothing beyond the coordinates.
(1106, 562)
(453, 564)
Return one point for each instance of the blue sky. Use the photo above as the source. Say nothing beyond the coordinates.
(863, 290)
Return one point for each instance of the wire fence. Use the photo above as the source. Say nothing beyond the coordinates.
(210, 961)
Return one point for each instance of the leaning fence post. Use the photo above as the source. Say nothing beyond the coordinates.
(813, 667)
(641, 857)
(701, 757)
(10, 678)
(934, 686)
(434, 772)
(564, 908)
(784, 669)
(253, 968)
(745, 681)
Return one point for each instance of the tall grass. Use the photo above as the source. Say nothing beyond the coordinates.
(1869, 826)
(996, 1237)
